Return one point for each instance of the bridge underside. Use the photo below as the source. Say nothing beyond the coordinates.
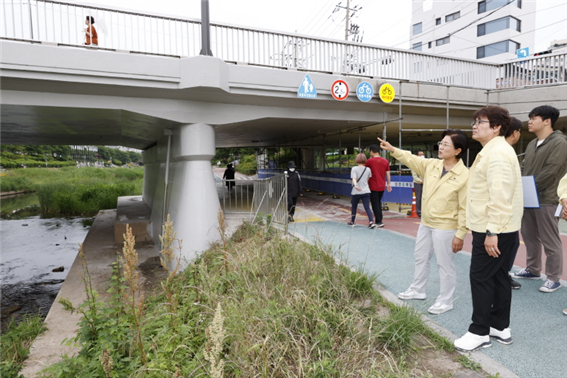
(180, 110)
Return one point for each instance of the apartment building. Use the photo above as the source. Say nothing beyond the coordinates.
(487, 30)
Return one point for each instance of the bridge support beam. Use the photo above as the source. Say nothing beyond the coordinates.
(192, 200)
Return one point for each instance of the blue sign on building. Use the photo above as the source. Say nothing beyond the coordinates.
(364, 91)
(523, 53)
(307, 89)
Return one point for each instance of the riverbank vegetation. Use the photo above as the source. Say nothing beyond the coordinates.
(74, 191)
(16, 341)
(261, 304)
(38, 156)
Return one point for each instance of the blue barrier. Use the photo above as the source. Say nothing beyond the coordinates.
(342, 184)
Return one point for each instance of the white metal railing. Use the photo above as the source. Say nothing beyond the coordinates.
(256, 198)
(63, 23)
(539, 70)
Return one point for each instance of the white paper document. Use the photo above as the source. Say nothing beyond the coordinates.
(531, 199)
(558, 211)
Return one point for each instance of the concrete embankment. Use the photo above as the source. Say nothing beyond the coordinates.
(100, 250)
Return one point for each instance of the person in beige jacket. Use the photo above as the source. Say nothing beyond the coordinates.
(494, 215)
(562, 193)
(442, 229)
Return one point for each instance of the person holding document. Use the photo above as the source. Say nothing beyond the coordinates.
(546, 160)
(494, 215)
(442, 228)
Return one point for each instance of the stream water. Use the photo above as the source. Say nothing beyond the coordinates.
(32, 247)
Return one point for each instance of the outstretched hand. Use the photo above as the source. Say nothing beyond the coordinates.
(385, 145)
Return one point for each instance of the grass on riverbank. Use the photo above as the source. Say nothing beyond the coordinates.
(258, 305)
(75, 191)
(16, 342)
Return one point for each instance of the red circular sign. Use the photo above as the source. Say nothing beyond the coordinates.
(339, 90)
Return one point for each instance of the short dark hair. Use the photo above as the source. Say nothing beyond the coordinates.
(496, 116)
(90, 19)
(515, 125)
(361, 158)
(459, 139)
(545, 112)
(374, 148)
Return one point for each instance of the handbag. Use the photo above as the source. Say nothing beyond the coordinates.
(358, 178)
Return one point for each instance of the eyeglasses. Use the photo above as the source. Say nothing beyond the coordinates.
(440, 143)
(478, 122)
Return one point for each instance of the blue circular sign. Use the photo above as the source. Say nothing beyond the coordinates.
(364, 91)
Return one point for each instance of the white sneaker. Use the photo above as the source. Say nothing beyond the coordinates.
(411, 294)
(471, 342)
(439, 308)
(503, 337)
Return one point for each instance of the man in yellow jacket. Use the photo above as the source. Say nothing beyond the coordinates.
(494, 215)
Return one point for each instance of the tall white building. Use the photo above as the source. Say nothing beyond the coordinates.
(487, 30)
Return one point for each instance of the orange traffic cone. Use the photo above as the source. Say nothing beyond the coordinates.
(413, 208)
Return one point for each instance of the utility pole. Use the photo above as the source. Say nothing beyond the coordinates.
(348, 29)
(347, 19)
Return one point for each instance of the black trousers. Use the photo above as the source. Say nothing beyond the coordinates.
(376, 202)
(490, 283)
(291, 202)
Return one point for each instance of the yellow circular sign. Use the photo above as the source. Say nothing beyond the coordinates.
(386, 93)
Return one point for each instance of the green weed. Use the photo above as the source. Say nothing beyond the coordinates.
(468, 363)
(16, 341)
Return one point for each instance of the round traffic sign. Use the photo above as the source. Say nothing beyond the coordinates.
(364, 91)
(339, 90)
(387, 93)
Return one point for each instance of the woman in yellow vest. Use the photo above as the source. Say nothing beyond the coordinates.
(442, 229)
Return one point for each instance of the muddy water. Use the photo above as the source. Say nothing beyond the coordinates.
(32, 247)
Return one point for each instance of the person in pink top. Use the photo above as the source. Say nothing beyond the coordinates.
(379, 181)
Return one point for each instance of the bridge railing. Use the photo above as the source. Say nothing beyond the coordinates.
(63, 23)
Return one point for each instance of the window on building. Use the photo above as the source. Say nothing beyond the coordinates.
(438, 21)
(417, 28)
(429, 45)
(442, 41)
(496, 48)
(499, 24)
(452, 16)
(488, 5)
(417, 46)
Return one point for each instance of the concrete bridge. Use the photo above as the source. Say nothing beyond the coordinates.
(179, 108)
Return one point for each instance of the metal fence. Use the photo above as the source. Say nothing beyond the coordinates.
(255, 199)
(63, 23)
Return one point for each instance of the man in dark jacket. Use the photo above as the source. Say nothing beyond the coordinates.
(229, 176)
(546, 160)
(294, 189)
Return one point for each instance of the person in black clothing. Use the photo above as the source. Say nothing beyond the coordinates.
(294, 189)
(229, 175)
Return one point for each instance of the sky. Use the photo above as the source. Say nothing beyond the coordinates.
(381, 22)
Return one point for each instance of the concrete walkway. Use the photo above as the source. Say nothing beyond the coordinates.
(538, 326)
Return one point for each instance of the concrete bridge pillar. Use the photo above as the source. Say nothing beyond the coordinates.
(192, 200)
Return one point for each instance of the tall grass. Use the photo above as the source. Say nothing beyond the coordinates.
(258, 305)
(16, 341)
(72, 191)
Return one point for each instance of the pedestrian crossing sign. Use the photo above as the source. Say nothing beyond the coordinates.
(306, 88)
